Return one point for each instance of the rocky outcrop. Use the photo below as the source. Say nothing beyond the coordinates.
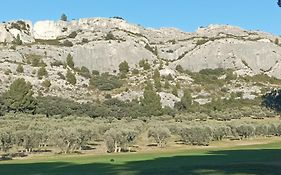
(215, 46)
(103, 43)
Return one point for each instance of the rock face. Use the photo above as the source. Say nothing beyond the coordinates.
(103, 43)
(215, 46)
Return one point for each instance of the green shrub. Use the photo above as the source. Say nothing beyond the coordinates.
(42, 72)
(157, 84)
(61, 76)
(7, 72)
(20, 68)
(156, 74)
(69, 61)
(151, 49)
(67, 43)
(70, 77)
(54, 42)
(175, 91)
(110, 36)
(72, 34)
(167, 85)
(35, 60)
(95, 72)
(17, 40)
(144, 64)
(84, 72)
(46, 84)
(105, 82)
(276, 41)
(63, 17)
(57, 63)
(85, 40)
(124, 67)
(135, 71)
(179, 69)
(201, 42)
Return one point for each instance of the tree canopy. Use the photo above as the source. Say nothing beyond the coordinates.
(19, 97)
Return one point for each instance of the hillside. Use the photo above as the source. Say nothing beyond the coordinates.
(244, 63)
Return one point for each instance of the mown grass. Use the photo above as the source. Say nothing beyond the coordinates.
(255, 159)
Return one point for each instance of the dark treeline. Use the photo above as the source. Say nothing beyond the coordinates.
(19, 98)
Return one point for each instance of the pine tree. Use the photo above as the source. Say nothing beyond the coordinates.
(42, 72)
(63, 17)
(175, 91)
(70, 77)
(124, 67)
(20, 69)
(167, 85)
(151, 104)
(19, 97)
(69, 61)
(157, 84)
(17, 40)
(156, 74)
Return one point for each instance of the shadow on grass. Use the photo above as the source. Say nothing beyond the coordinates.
(259, 162)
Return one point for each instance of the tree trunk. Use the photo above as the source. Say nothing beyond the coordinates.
(115, 147)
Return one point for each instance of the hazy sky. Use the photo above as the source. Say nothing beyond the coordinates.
(187, 15)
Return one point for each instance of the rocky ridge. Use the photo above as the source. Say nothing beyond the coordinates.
(103, 43)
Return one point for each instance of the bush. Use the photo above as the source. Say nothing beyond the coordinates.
(17, 40)
(144, 64)
(35, 60)
(124, 67)
(179, 69)
(20, 68)
(67, 43)
(85, 40)
(84, 71)
(51, 106)
(167, 85)
(72, 34)
(42, 72)
(63, 17)
(105, 82)
(201, 42)
(110, 36)
(95, 72)
(7, 72)
(61, 76)
(46, 84)
(69, 61)
(57, 63)
(151, 49)
(135, 71)
(70, 77)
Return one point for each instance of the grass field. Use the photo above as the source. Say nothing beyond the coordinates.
(252, 159)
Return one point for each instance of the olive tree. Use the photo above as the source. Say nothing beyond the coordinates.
(245, 130)
(6, 139)
(160, 134)
(118, 139)
(66, 139)
(196, 135)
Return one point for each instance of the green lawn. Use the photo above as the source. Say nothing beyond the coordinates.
(259, 159)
